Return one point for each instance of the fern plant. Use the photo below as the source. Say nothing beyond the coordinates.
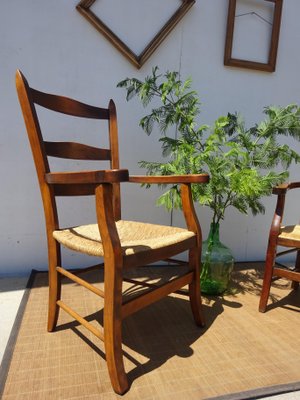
(243, 163)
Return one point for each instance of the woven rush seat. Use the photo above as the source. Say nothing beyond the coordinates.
(135, 237)
(290, 233)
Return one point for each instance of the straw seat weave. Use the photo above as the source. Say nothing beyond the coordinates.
(135, 237)
(290, 233)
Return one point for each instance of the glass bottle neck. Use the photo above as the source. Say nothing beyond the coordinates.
(214, 233)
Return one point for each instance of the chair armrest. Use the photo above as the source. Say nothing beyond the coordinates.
(284, 187)
(169, 179)
(87, 177)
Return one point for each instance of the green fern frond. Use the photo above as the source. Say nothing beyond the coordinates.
(243, 163)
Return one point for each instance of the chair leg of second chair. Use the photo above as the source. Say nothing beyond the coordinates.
(295, 284)
(265, 292)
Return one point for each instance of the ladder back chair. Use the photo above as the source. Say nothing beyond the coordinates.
(120, 244)
(285, 236)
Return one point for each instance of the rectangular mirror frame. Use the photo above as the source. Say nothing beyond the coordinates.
(234, 62)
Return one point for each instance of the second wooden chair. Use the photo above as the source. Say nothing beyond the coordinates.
(284, 236)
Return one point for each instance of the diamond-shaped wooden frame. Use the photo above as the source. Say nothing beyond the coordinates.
(137, 60)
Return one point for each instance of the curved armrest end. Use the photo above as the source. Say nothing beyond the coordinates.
(294, 185)
(169, 179)
(284, 187)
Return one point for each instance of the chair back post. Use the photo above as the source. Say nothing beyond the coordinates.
(38, 152)
(114, 145)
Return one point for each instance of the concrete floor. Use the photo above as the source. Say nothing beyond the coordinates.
(11, 293)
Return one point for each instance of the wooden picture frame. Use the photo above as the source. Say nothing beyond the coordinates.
(272, 56)
(136, 59)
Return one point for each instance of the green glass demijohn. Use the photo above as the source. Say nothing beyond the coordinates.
(217, 263)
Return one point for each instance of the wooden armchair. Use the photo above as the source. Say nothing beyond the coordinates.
(280, 235)
(121, 244)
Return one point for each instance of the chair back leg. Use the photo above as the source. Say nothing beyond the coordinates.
(54, 256)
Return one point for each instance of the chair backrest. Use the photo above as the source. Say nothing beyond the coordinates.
(42, 149)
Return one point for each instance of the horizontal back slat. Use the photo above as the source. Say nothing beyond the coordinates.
(68, 106)
(76, 151)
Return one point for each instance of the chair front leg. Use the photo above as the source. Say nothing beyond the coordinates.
(54, 256)
(113, 326)
(271, 251)
(194, 253)
(194, 287)
(113, 278)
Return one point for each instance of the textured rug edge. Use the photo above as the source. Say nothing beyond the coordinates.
(260, 393)
(9, 349)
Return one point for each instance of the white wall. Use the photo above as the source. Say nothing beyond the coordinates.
(60, 52)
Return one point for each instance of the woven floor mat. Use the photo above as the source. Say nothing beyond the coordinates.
(240, 354)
